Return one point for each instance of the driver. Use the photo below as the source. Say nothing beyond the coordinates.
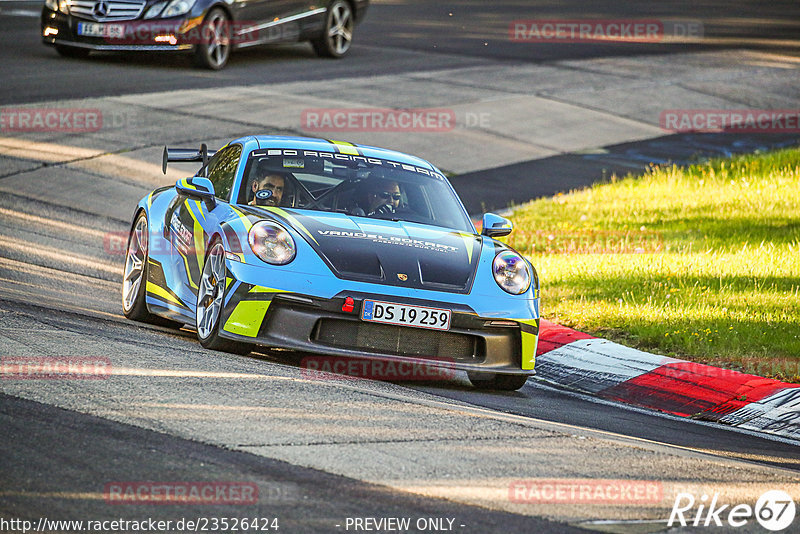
(383, 196)
(272, 185)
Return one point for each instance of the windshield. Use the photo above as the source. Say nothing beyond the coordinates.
(351, 184)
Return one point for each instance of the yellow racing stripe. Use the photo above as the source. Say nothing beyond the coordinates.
(163, 293)
(247, 317)
(245, 220)
(185, 183)
(469, 241)
(529, 342)
(345, 148)
(293, 221)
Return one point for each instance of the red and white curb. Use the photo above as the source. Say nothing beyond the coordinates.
(605, 369)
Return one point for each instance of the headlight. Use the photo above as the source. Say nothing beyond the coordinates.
(51, 4)
(154, 10)
(272, 243)
(511, 272)
(178, 7)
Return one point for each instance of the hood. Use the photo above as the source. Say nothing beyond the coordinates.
(394, 253)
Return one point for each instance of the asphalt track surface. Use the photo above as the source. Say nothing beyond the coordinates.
(84, 442)
(404, 36)
(55, 459)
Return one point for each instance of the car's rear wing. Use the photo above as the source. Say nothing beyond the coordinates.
(185, 155)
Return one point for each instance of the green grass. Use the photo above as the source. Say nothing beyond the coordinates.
(700, 263)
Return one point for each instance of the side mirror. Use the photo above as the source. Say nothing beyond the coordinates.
(198, 188)
(496, 226)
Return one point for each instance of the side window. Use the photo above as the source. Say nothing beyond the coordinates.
(222, 170)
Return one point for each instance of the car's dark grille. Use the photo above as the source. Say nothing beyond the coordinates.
(112, 9)
(398, 340)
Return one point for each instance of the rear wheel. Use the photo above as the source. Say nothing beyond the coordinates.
(210, 295)
(72, 51)
(497, 381)
(337, 36)
(215, 46)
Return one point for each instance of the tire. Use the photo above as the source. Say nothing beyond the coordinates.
(497, 382)
(72, 51)
(215, 47)
(210, 297)
(337, 37)
(134, 276)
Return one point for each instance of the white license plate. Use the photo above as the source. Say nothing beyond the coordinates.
(404, 315)
(94, 29)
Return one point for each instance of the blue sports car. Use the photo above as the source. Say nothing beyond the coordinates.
(332, 248)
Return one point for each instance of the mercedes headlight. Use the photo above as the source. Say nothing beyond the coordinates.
(178, 7)
(154, 10)
(51, 4)
(272, 243)
(511, 272)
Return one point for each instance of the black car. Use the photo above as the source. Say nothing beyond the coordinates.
(208, 28)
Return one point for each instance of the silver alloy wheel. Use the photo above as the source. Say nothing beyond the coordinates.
(210, 292)
(340, 31)
(217, 31)
(134, 264)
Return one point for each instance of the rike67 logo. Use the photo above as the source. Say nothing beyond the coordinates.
(774, 510)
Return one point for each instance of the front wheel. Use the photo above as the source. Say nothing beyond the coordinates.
(210, 295)
(215, 46)
(134, 276)
(337, 36)
(497, 382)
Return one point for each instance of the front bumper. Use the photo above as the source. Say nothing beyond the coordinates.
(59, 29)
(274, 318)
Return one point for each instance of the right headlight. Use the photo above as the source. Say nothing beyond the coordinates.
(511, 272)
(272, 243)
(51, 4)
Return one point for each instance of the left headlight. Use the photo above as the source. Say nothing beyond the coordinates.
(155, 10)
(511, 272)
(272, 243)
(178, 7)
(51, 4)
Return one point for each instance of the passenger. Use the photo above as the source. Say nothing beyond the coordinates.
(274, 183)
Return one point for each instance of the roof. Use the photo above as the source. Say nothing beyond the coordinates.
(344, 147)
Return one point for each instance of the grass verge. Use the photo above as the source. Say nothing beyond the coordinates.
(700, 263)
